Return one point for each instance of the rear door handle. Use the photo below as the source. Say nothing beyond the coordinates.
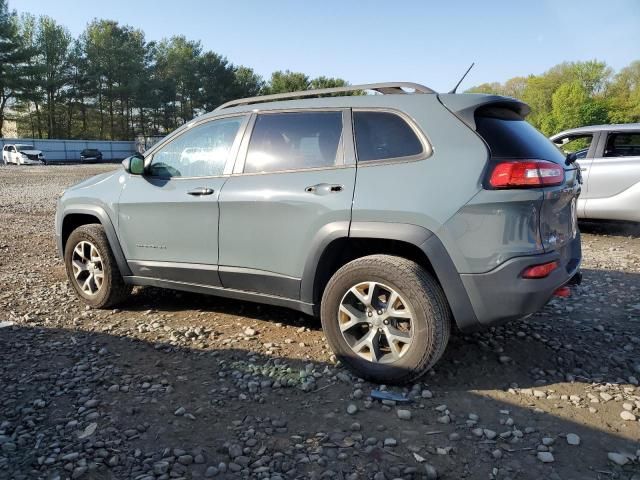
(324, 188)
(200, 191)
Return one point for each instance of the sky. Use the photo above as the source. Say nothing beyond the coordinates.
(428, 42)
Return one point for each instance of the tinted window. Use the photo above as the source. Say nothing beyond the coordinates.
(201, 151)
(292, 141)
(384, 135)
(509, 136)
(623, 145)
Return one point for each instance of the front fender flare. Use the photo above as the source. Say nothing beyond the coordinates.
(110, 231)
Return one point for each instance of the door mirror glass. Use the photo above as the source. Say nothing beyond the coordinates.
(134, 164)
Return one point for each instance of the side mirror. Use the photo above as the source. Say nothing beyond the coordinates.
(570, 158)
(134, 164)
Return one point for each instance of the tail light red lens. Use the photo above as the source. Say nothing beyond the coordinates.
(540, 271)
(526, 173)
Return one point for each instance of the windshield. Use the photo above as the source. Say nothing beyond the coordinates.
(22, 148)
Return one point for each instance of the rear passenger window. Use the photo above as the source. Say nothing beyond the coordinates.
(294, 141)
(623, 145)
(384, 136)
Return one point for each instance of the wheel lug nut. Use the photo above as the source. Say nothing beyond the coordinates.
(369, 313)
(379, 312)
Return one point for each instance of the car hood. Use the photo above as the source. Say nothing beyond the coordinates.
(31, 152)
(107, 177)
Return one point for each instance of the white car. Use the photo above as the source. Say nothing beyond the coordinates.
(22, 154)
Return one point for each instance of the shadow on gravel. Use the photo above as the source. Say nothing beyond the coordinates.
(609, 227)
(86, 404)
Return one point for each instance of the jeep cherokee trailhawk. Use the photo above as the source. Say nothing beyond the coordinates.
(390, 216)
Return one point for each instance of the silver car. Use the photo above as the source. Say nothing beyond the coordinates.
(609, 158)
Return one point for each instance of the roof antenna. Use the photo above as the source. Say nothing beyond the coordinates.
(465, 74)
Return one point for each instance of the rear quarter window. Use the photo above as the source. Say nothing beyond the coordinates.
(384, 136)
(508, 135)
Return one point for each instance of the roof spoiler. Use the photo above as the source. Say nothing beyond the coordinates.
(464, 106)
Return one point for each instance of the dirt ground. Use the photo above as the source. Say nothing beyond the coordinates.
(173, 385)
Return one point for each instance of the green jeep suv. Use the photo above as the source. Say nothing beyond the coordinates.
(390, 216)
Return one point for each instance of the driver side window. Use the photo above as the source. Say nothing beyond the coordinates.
(201, 151)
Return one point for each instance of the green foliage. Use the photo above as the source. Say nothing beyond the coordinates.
(14, 59)
(574, 94)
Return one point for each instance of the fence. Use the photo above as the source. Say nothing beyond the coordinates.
(69, 150)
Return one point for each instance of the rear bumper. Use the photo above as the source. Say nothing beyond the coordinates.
(502, 294)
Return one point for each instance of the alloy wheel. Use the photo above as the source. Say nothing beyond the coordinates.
(87, 266)
(376, 322)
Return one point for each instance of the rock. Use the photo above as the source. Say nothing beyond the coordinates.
(211, 472)
(618, 458)
(548, 441)
(180, 412)
(430, 471)
(497, 453)
(249, 332)
(627, 416)
(404, 414)
(185, 459)
(490, 434)
(390, 442)
(235, 451)
(160, 468)
(545, 457)
(426, 394)
(573, 439)
(444, 419)
(352, 409)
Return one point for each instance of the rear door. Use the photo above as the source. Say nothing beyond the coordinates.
(168, 218)
(292, 183)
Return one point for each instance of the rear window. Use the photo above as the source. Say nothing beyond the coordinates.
(509, 136)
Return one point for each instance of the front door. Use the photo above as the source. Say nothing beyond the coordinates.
(168, 218)
(294, 179)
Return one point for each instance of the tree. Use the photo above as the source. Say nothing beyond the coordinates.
(287, 81)
(624, 95)
(52, 42)
(14, 58)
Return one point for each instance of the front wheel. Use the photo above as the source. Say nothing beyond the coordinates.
(386, 318)
(92, 269)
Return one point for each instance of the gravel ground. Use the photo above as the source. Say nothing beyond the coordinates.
(175, 385)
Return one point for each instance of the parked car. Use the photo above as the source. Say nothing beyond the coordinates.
(609, 158)
(22, 154)
(91, 155)
(388, 216)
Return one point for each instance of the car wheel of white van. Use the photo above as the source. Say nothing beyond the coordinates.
(92, 269)
(386, 318)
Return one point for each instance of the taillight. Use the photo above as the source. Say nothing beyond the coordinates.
(540, 271)
(526, 173)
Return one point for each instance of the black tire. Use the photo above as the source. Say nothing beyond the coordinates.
(113, 289)
(426, 300)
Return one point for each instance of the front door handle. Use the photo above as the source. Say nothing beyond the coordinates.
(324, 188)
(200, 191)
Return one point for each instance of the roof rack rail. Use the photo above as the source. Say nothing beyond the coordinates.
(384, 88)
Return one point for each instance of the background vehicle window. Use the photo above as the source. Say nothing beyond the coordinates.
(294, 141)
(623, 145)
(578, 144)
(199, 152)
(384, 135)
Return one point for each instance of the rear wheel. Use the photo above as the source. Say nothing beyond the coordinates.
(92, 269)
(386, 318)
